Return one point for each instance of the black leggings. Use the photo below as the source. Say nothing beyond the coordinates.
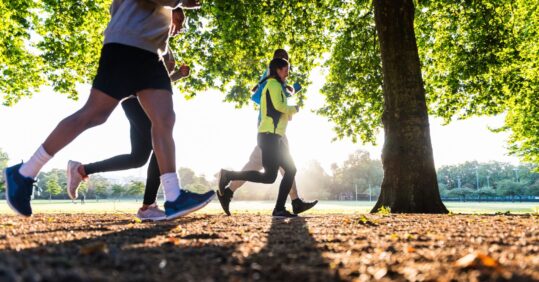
(275, 154)
(141, 148)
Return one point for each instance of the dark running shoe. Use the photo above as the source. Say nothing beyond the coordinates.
(283, 214)
(224, 199)
(223, 181)
(299, 206)
(18, 190)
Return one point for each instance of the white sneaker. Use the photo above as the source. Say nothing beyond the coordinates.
(73, 179)
(152, 213)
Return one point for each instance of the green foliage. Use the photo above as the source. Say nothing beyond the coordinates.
(117, 190)
(51, 183)
(353, 89)
(135, 188)
(480, 58)
(485, 192)
(193, 182)
(510, 188)
(488, 173)
(460, 192)
(97, 187)
(20, 65)
(4, 158)
(232, 42)
(358, 170)
(53, 188)
(72, 36)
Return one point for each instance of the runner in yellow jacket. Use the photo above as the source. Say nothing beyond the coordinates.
(275, 114)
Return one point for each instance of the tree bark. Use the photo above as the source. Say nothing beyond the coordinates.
(410, 184)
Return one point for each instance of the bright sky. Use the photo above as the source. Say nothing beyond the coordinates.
(211, 134)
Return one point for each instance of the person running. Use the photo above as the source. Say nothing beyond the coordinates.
(141, 143)
(136, 35)
(255, 160)
(275, 114)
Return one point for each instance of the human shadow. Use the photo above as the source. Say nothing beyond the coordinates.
(290, 254)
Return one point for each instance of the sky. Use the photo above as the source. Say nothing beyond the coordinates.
(211, 134)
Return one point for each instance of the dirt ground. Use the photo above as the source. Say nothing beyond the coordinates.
(249, 247)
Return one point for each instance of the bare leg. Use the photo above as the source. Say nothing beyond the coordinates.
(157, 104)
(95, 112)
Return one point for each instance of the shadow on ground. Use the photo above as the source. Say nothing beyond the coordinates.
(198, 248)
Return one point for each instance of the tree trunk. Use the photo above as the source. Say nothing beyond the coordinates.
(410, 184)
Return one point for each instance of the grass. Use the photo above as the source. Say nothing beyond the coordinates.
(265, 207)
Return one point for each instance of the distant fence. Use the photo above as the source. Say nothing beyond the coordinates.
(492, 199)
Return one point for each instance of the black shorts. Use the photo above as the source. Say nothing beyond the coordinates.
(125, 70)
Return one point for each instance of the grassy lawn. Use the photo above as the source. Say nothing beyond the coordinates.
(264, 207)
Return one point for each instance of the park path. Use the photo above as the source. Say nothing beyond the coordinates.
(249, 247)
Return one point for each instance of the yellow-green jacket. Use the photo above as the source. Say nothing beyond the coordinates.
(274, 109)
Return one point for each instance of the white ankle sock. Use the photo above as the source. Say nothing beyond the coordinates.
(32, 167)
(171, 186)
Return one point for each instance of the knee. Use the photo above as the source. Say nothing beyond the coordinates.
(292, 171)
(138, 159)
(165, 121)
(270, 176)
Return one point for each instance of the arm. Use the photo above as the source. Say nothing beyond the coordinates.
(182, 72)
(169, 60)
(279, 100)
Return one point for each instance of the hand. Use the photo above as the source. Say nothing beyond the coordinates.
(191, 4)
(290, 89)
(184, 70)
(253, 90)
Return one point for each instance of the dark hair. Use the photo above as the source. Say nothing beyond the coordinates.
(274, 65)
(280, 53)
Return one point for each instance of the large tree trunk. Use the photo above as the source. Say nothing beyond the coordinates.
(410, 184)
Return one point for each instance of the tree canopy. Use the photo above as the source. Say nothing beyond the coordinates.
(478, 57)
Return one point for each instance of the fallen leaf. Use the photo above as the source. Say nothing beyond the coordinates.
(94, 248)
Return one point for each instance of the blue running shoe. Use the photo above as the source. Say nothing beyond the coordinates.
(186, 203)
(18, 190)
(201, 197)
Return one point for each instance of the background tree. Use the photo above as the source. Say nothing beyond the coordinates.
(53, 188)
(462, 193)
(83, 190)
(358, 170)
(484, 192)
(193, 182)
(97, 187)
(314, 182)
(135, 188)
(4, 158)
(117, 191)
(510, 188)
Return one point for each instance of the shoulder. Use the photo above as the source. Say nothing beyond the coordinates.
(274, 83)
